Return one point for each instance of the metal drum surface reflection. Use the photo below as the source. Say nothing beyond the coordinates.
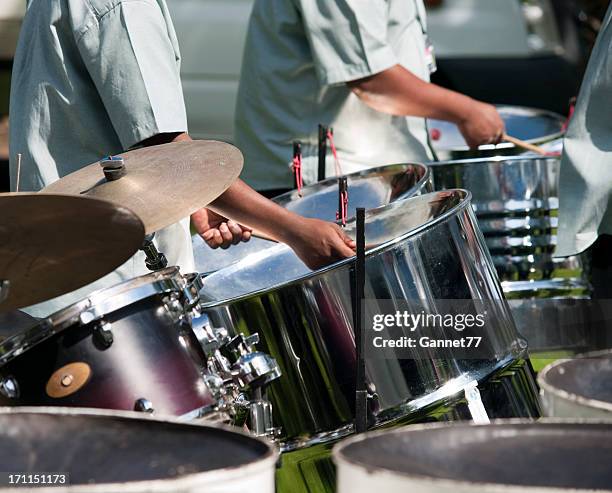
(427, 248)
(516, 200)
(112, 452)
(579, 387)
(370, 189)
(504, 457)
(535, 126)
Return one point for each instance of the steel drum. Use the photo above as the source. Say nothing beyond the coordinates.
(128, 347)
(535, 126)
(579, 387)
(104, 452)
(370, 189)
(505, 457)
(426, 247)
(516, 200)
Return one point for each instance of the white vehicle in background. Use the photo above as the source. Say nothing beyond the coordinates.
(211, 36)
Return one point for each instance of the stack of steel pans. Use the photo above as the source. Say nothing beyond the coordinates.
(516, 200)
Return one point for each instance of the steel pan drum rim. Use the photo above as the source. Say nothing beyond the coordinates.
(489, 160)
(271, 456)
(465, 203)
(315, 187)
(339, 458)
(509, 145)
(59, 321)
(571, 396)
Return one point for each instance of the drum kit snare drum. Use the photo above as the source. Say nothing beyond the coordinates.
(257, 340)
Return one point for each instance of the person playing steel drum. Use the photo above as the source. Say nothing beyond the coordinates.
(359, 66)
(585, 181)
(93, 78)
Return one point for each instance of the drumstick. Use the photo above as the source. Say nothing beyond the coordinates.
(263, 236)
(524, 145)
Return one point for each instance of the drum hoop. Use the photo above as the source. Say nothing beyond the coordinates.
(267, 459)
(340, 458)
(572, 396)
(465, 205)
(97, 305)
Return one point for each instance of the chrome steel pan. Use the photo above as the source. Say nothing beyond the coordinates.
(504, 457)
(579, 387)
(426, 248)
(532, 125)
(370, 189)
(111, 452)
(516, 200)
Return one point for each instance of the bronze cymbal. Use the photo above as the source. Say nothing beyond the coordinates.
(162, 184)
(53, 244)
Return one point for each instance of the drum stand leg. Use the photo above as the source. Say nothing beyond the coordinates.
(4, 290)
(155, 259)
(475, 405)
(361, 394)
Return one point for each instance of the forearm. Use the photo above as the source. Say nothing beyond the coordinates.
(397, 91)
(245, 206)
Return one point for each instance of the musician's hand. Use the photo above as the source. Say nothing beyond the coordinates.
(218, 231)
(481, 125)
(319, 243)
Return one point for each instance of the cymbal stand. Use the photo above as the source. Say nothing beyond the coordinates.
(155, 259)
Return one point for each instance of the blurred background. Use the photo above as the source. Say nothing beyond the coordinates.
(521, 52)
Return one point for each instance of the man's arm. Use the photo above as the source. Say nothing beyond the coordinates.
(316, 242)
(397, 91)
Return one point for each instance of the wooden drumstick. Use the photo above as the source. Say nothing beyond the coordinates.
(262, 236)
(524, 145)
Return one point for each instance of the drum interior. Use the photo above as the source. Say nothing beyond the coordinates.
(102, 449)
(586, 377)
(279, 265)
(368, 189)
(545, 455)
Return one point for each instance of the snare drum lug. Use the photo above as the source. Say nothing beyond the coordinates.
(175, 308)
(216, 385)
(251, 341)
(9, 388)
(260, 420)
(103, 335)
(144, 406)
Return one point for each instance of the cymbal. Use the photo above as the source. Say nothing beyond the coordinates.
(53, 244)
(162, 184)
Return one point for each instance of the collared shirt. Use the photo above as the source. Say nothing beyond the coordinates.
(93, 78)
(585, 194)
(299, 54)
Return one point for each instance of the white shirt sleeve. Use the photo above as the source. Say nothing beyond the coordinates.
(348, 38)
(135, 67)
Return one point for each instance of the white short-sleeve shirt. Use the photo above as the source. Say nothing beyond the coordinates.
(298, 57)
(92, 78)
(585, 194)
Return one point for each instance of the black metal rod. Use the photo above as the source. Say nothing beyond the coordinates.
(322, 152)
(361, 394)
